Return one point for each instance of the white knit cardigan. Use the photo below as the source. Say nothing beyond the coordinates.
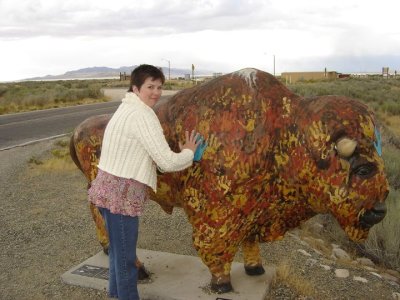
(134, 144)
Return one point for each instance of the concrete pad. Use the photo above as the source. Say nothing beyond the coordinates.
(173, 277)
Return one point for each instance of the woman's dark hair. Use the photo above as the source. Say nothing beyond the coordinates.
(142, 72)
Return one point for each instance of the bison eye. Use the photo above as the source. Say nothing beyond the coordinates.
(365, 170)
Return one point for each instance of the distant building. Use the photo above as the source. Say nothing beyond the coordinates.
(124, 76)
(385, 72)
(202, 77)
(292, 77)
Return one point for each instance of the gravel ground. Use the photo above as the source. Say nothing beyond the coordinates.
(46, 229)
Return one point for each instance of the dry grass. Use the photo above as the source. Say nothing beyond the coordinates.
(59, 159)
(32, 95)
(286, 275)
(380, 94)
(384, 239)
(57, 164)
(393, 122)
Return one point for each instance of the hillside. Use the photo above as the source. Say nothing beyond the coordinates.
(107, 72)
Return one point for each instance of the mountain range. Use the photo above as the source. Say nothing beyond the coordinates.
(106, 72)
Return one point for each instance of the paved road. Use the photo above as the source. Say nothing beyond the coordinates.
(24, 128)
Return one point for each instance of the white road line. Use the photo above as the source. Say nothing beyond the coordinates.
(34, 141)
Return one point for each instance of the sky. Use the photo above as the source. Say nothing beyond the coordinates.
(51, 37)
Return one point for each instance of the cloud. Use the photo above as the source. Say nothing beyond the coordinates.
(52, 37)
(99, 18)
(106, 18)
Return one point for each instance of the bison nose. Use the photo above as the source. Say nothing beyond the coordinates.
(374, 215)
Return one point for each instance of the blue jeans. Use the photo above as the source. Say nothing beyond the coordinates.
(123, 233)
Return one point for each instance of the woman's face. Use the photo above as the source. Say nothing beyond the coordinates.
(150, 91)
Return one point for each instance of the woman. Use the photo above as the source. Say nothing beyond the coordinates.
(133, 146)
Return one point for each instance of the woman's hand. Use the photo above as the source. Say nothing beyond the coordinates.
(190, 141)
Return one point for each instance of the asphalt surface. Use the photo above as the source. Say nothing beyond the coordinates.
(24, 128)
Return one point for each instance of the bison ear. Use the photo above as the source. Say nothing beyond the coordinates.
(318, 140)
(346, 147)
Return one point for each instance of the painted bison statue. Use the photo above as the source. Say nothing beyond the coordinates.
(274, 159)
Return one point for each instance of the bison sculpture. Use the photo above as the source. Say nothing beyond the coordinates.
(274, 159)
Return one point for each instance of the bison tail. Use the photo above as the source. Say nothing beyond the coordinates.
(72, 153)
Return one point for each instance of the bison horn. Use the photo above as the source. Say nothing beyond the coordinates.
(346, 147)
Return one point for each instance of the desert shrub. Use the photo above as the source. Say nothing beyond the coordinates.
(67, 84)
(60, 153)
(384, 239)
(81, 84)
(176, 84)
(3, 90)
(168, 86)
(392, 165)
(94, 92)
(58, 160)
(35, 160)
(390, 107)
(25, 96)
(380, 94)
(62, 143)
(116, 83)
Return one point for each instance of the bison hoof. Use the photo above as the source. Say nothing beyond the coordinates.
(221, 288)
(254, 270)
(142, 273)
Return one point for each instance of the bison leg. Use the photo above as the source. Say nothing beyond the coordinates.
(252, 259)
(221, 284)
(101, 230)
(142, 272)
(217, 253)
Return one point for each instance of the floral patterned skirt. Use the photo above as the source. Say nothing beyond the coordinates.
(119, 195)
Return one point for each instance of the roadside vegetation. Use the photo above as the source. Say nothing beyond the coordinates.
(381, 95)
(35, 95)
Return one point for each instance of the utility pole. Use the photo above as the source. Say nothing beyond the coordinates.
(169, 68)
(265, 53)
(274, 64)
